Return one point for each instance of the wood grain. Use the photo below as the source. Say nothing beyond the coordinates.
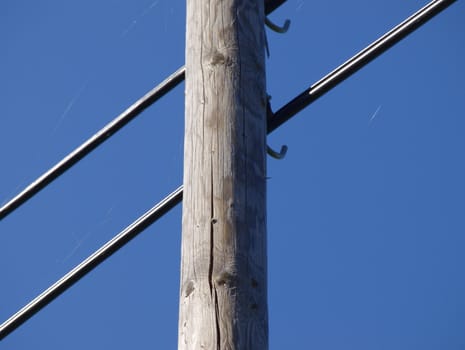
(223, 301)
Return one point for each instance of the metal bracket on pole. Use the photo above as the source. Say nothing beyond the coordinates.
(276, 28)
(282, 153)
(277, 155)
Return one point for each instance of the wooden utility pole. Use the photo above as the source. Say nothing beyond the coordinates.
(223, 298)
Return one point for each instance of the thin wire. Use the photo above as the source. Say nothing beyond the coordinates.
(91, 262)
(88, 146)
(358, 61)
(284, 114)
(271, 5)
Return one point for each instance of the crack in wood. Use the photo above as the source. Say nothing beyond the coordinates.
(210, 267)
(217, 320)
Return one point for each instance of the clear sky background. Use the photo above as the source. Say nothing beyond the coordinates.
(366, 214)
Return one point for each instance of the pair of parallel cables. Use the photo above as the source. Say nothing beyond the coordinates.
(275, 120)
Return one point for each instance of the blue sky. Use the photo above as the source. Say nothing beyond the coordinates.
(366, 219)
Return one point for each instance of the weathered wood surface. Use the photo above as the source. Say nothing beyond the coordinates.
(223, 298)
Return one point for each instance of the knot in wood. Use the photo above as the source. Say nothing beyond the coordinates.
(225, 278)
(219, 58)
(188, 288)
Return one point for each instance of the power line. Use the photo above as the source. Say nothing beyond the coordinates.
(88, 146)
(91, 262)
(271, 5)
(358, 61)
(281, 116)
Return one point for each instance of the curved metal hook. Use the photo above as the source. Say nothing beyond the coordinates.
(277, 155)
(277, 28)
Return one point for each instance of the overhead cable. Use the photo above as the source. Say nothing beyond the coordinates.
(88, 146)
(91, 262)
(358, 61)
